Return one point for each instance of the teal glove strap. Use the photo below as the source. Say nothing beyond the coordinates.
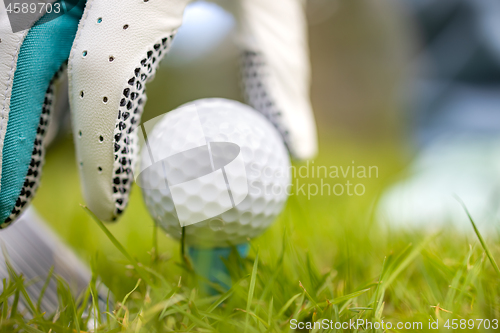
(45, 49)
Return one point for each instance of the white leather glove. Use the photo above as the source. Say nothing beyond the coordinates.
(117, 49)
(276, 69)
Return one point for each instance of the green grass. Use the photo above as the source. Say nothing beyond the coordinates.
(323, 258)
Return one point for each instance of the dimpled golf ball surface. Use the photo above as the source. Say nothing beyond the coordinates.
(258, 188)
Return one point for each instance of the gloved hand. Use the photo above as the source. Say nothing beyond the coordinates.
(30, 62)
(117, 48)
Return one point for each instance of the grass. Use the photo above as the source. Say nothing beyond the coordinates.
(324, 258)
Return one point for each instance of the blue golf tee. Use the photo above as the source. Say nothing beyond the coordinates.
(208, 263)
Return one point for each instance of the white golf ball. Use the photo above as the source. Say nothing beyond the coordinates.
(217, 167)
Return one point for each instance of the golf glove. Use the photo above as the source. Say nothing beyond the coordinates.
(113, 47)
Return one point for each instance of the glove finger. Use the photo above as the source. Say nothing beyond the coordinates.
(276, 69)
(30, 62)
(116, 51)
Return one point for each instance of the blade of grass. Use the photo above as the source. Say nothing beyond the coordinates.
(348, 297)
(95, 308)
(162, 307)
(251, 288)
(219, 301)
(481, 240)
(403, 262)
(262, 321)
(119, 246)
(30, 329)
(126, 298)
(270, 312)
(287, 304)
(313, 301)
(65, 289)
(107, 307)
(44, 288)
(155, 245)
(193, 318)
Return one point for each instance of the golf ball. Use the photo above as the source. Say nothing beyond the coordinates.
(216, 167)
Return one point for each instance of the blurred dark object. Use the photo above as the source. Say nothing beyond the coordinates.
(458, 83)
